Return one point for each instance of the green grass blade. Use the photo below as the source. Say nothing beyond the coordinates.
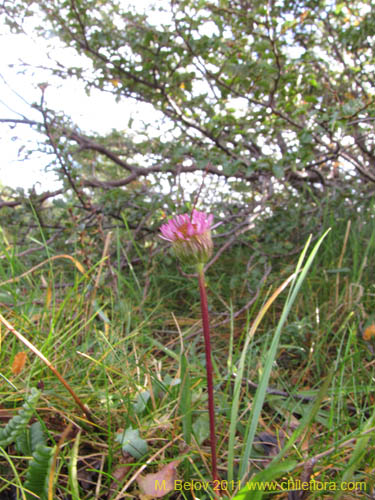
(361, 447)
(255, 488)
(263, 384)
(185, 400)
(72, 469)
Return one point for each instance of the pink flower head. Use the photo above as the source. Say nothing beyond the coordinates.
(190, 236)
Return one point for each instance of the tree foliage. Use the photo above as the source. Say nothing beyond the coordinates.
(274, 102)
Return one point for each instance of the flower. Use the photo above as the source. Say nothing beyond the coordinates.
(190, 236)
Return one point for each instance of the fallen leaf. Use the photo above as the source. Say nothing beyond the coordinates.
(161, 483)
(19, 362)
(120, 472)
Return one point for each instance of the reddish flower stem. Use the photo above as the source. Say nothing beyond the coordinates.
(211, 408)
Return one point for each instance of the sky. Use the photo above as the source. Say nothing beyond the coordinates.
(21, 72)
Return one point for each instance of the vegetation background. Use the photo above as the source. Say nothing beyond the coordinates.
(263, 114)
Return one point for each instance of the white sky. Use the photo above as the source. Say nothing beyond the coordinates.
(98, 112)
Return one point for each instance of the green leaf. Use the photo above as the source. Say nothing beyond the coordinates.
(30, 439)
(17, 425)
(278, 171)
(306, 138)
(37, 435)
(23, 444)
(201, 428)
(132, 443)
(141, 402)
(37, 476)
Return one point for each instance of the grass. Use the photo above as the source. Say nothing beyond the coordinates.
(293, 392)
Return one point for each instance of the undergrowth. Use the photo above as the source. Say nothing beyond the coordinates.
(125, 335)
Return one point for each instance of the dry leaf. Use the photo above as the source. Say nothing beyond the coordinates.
(78, 265)
(19, 362)
(119, 474)
(49, 295)
(159, 484)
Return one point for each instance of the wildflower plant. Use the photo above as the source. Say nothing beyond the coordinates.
(190, 235)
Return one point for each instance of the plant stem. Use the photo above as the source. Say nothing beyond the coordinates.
(209, 371)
